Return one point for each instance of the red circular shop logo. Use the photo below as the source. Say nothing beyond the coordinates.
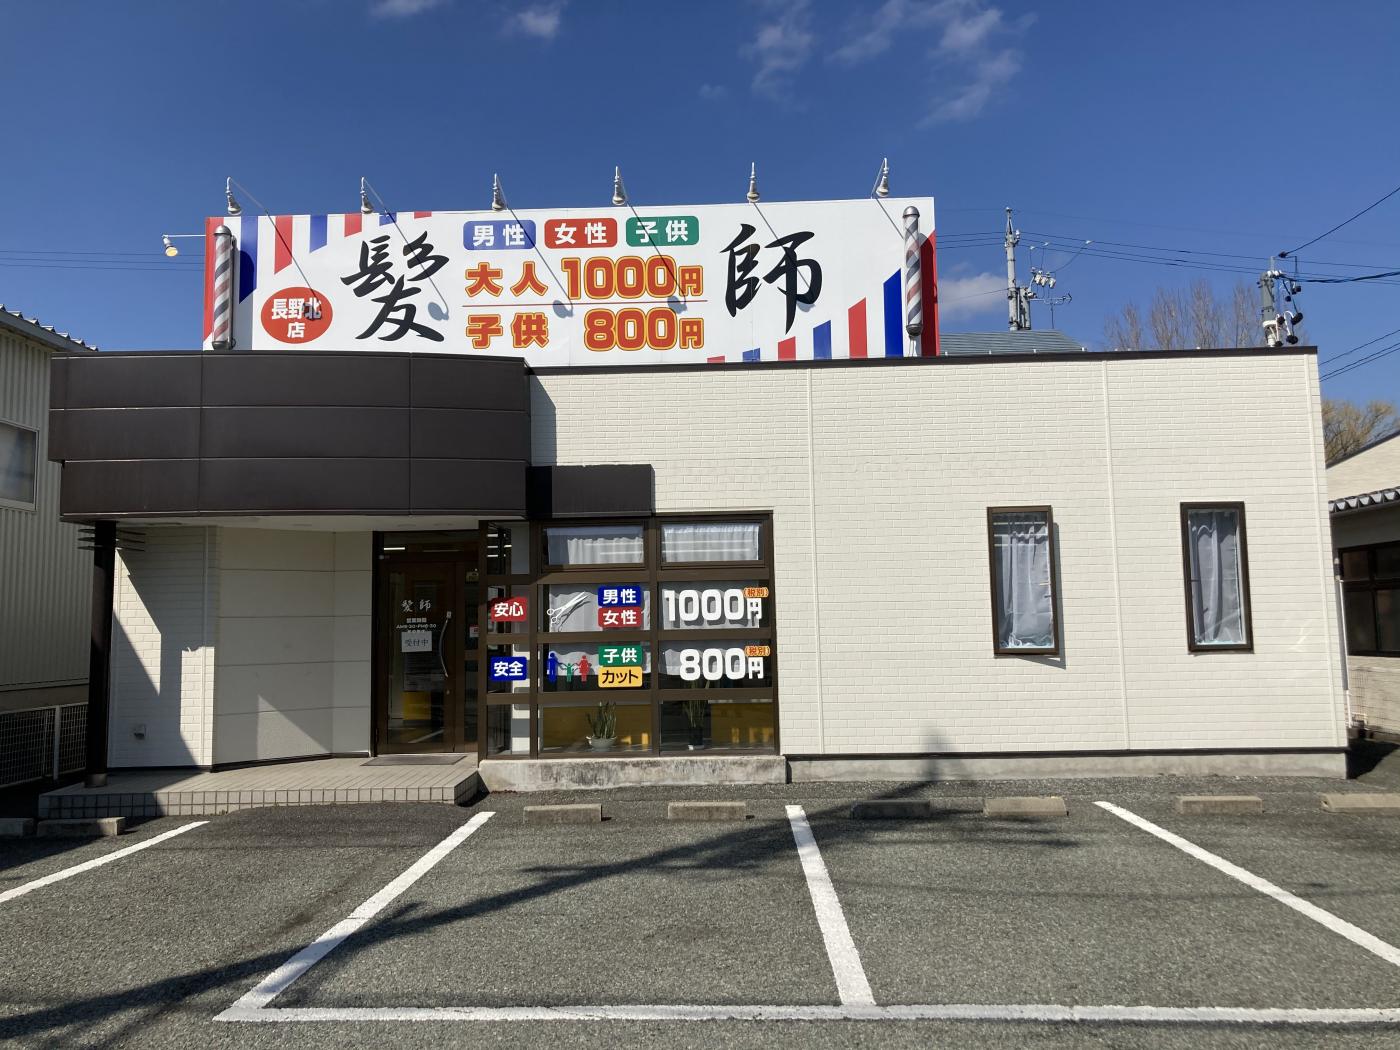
(296, 315)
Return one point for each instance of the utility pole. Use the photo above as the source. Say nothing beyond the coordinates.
(1017, 298)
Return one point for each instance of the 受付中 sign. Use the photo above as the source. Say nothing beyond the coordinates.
(735, 282)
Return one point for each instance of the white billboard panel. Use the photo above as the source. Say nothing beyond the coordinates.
(586, 287)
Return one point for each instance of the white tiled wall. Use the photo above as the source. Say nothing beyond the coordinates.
(294, 644)
(165, 600)
(879, 479)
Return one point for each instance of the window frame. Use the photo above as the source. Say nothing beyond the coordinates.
(33, 504)
(1370, 585)
(997, 648)
(652, 573)
(1246, 604)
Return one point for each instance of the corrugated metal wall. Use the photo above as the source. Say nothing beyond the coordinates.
(45, 580)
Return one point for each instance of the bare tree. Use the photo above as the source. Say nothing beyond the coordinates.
(1347, 427)
(1191, 318)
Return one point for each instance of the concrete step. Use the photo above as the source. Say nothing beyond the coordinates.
(1033, 806)
(1362, 803)
(1219, 804)
(707, 811)
(575, 813)
(572, 774)
(81, 828)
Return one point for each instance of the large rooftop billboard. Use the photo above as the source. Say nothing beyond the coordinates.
(616, 285)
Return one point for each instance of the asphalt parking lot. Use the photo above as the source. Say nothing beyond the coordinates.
(420, 925)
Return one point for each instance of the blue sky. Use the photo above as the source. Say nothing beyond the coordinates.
(1228, 128)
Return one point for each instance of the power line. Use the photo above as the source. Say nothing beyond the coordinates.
(1334, 229)
(1376, 356)
(1363, 346)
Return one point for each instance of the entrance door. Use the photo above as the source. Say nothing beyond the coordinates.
(423, 664)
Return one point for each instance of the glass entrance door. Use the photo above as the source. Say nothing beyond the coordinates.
(423, 662)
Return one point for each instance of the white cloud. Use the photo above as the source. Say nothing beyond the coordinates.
(541, 20)
(967, 296)
(782, 47)
(713, 92)
(987, 75)
(968, 49)
(402, 8)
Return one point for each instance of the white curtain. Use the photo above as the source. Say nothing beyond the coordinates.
(16, 464)
(595, 545)
(1025, 603)
(1217, 601)
(710, 541)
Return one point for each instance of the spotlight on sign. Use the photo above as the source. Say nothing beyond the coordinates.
(234, 208)
(170, 248)
(619, 191)
(366, 207)
(498, 199)
(752, 195)
(882, 184)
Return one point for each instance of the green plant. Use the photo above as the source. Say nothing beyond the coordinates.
(695, 712)
(603, 725)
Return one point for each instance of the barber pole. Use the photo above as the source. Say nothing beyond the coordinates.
(913, 280)
(224, 256)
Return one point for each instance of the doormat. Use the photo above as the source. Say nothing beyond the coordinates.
(415, 760)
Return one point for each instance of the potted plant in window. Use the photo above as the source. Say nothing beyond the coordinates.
(695, 709)
(603, 726)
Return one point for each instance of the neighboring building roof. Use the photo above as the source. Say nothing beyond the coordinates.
(1008, 342)
(1364, 448)
(14, 321)
(1371, 469)
(1367, 499)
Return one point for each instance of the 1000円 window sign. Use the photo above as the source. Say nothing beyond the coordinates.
(18, 452)
(642, 636)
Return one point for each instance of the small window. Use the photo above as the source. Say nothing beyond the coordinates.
(703, 541)
(18, 448)
(1022, 542)
(1215, 558)
(594, 545)
(1371, 599)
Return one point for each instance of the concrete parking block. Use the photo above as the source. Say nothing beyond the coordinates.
(891, 809)
(79, 827)
(581, 813)
(1362, 803)
(1037, 806)
(1219, 804)
(707, 811)
(16, 827)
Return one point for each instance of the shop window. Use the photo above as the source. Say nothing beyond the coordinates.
(711, 541)
(607, 725)
(18, 451)
(707, 605)
(594, 545)
(614, 665)
(1371, 599)
(1215, 559)
(719, 664)
(508, 549)
(717, 722)
(596, 607)
(1022, 544)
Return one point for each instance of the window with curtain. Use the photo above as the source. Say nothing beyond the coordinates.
(1023, 580)
(1217, 580)
(711, 541)
(594, 545)
(1371, 599)
(18, 447)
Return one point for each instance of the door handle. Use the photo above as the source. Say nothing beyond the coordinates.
(442, 637)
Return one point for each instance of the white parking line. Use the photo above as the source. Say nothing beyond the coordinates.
(281, 978)
(1033, 1012)
(851, 982)
(78, 869)
(1355, 934)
